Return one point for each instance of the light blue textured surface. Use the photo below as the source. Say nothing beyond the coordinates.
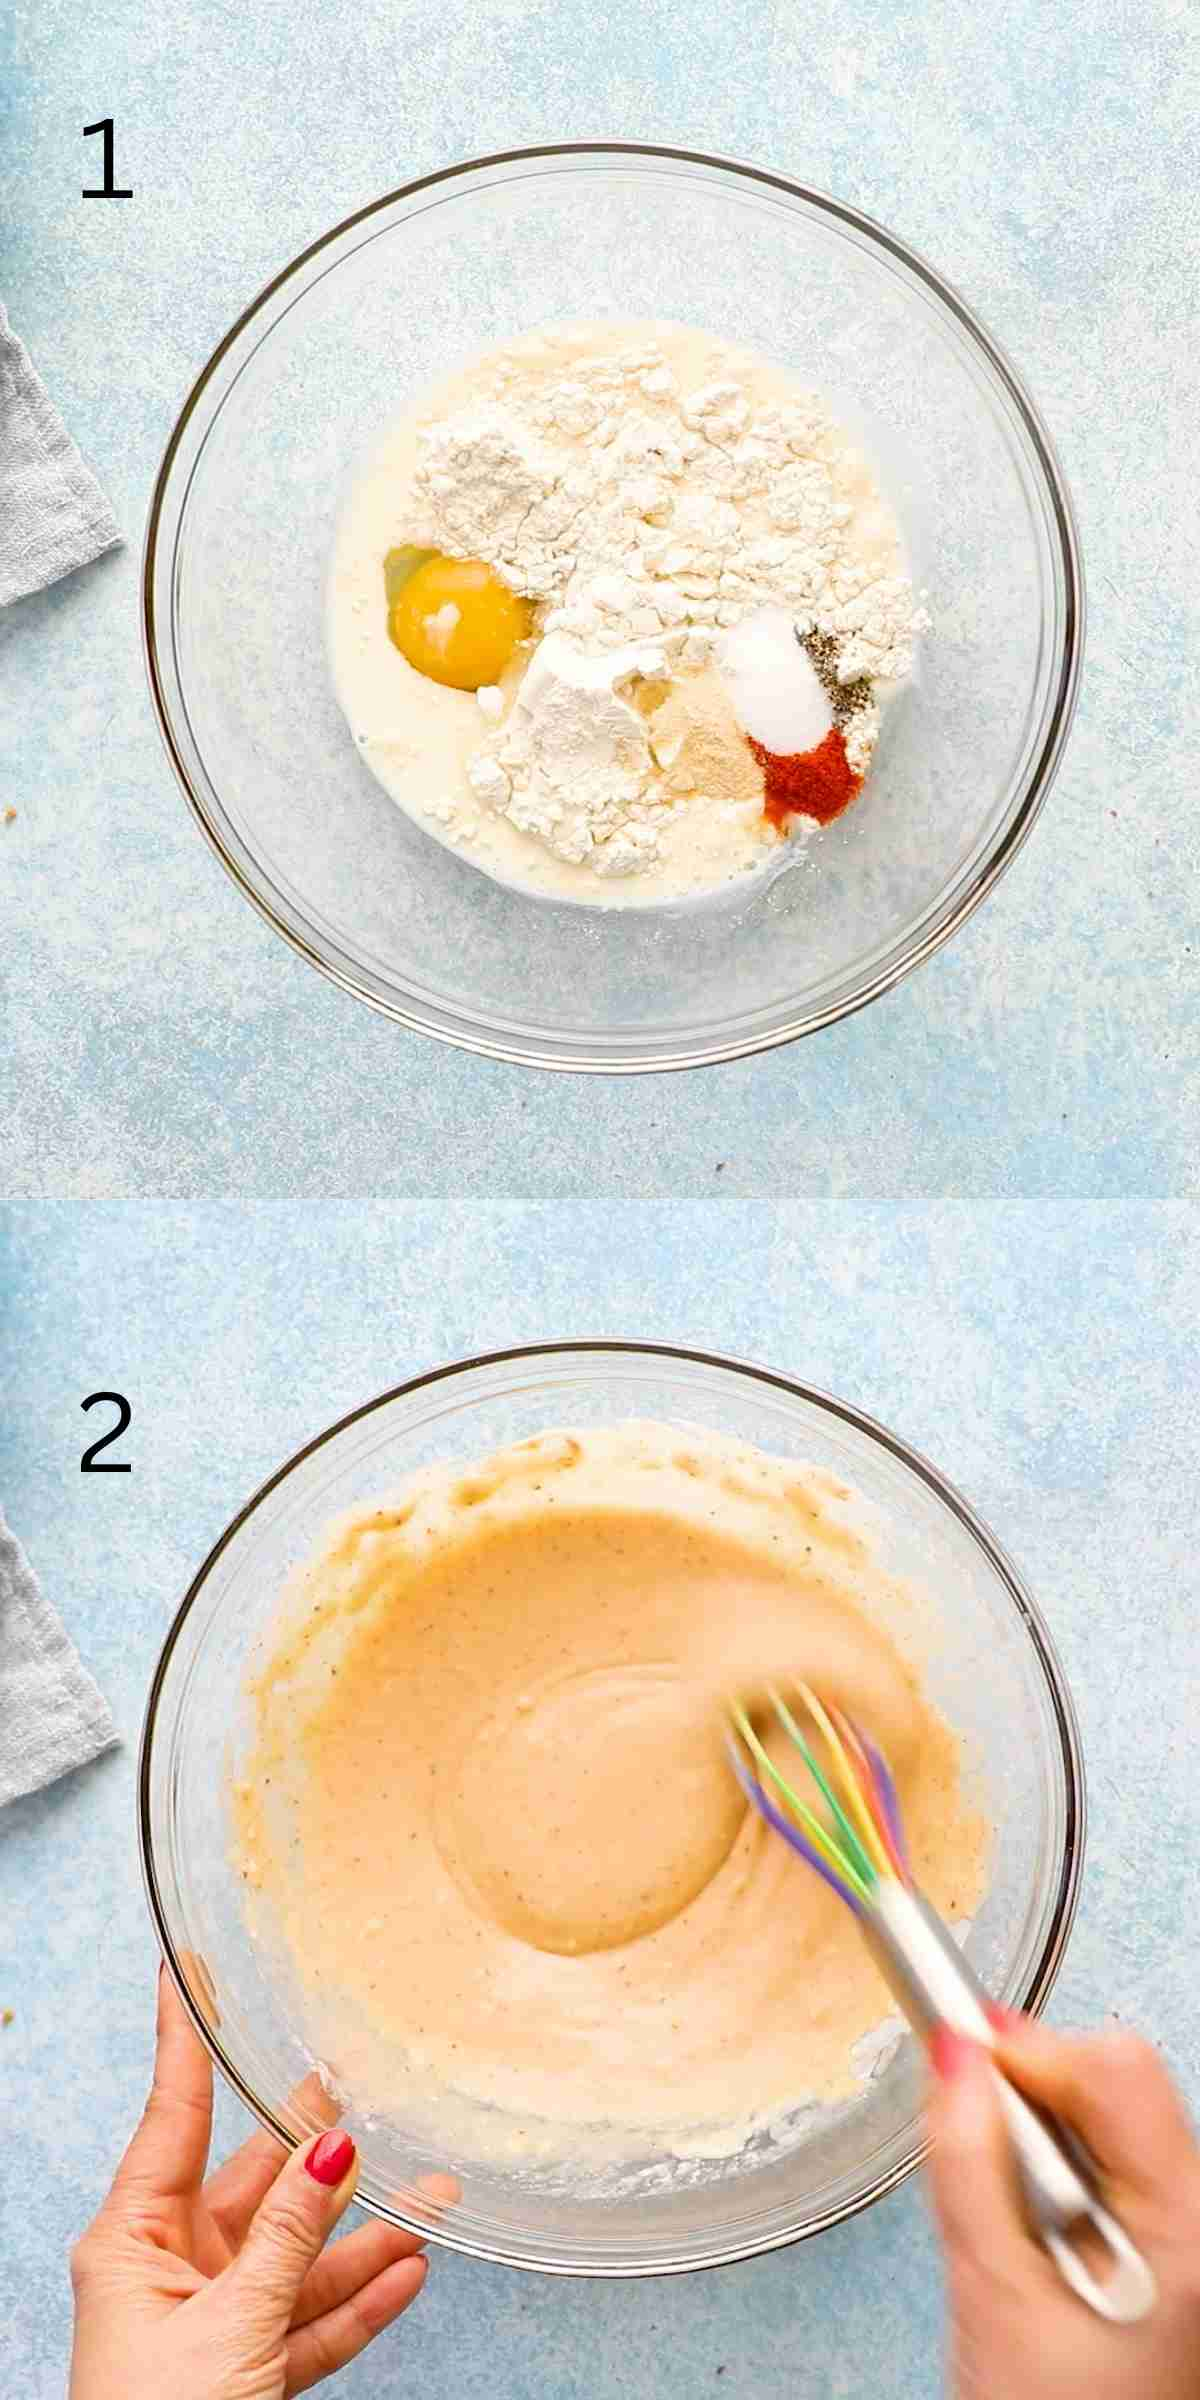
(162, 1039)
(1044, 1356)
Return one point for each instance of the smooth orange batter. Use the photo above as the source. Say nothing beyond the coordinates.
(487, 1806)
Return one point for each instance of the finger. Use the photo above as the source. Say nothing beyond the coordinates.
(433, 2195)
(289, 2231)
(972, 2174)
(232, 2194)
(168, 2153)
(1113, 2089)
(241, 2184)
(349, 2265)
(332, 2341)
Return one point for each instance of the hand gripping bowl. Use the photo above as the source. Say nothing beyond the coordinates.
(995, 1674)
(332, 353)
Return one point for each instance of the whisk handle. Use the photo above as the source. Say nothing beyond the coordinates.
(935, 1985)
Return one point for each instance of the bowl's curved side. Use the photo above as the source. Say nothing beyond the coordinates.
(402, 995)
(425, 1398)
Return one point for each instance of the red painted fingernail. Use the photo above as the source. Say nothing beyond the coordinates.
(1004, 2020)
(949, 2052)
(330, 2159)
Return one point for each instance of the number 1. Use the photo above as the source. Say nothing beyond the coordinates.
(107, 190)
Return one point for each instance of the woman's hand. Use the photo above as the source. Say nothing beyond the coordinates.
(187, 2290)
(1017, 2333)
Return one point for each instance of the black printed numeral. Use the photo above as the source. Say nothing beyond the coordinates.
(108, 189)
(91, 1463)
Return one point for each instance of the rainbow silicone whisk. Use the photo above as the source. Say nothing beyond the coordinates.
(845, 1823)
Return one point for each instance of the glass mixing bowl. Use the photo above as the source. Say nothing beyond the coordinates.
(337, 347)
(993, 1671)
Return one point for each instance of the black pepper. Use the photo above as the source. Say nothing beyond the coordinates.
(845, 699)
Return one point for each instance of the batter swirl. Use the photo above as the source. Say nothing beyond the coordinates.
(487, 1805)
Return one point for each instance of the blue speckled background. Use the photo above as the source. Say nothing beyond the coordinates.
(162, 1040)
(1034, 1328)
(1043, 1355)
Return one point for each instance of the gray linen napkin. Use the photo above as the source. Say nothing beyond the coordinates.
(53, 515)
(52, 1717)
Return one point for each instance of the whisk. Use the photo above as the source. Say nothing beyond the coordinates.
(855, 1843)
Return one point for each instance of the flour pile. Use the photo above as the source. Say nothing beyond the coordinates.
(647, 489)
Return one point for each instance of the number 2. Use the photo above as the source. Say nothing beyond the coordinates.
(91, 1463)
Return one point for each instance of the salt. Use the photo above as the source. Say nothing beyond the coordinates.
(778, 696)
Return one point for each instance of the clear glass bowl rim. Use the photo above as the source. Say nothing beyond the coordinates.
(1041, 771)
(1061, 1915)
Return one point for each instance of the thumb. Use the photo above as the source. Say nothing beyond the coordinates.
(972, 2173)
(290, 2229)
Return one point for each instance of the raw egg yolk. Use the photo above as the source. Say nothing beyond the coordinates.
(456, 621)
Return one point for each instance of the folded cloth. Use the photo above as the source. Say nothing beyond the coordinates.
(52, 1717)
(53, 515)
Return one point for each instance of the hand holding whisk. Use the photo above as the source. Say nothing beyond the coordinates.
(855, 1843)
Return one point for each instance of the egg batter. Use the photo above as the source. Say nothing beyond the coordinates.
(487, 1808)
